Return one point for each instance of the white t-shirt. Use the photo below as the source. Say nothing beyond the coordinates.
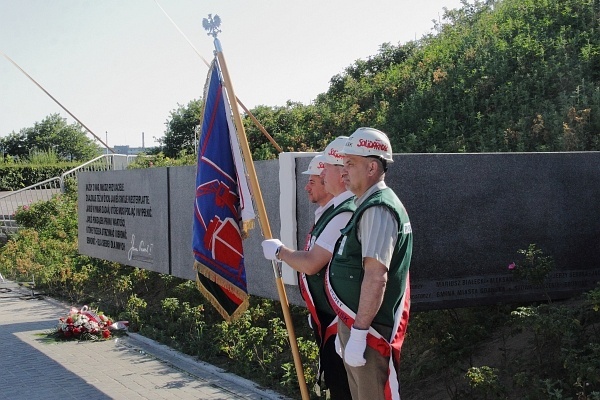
(331, 232)
(321, 209)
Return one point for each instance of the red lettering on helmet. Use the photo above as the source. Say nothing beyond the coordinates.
(321, 165)
(372, 144)
(335, 154)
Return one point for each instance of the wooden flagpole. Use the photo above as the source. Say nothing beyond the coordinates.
(262, 215)
(57, 102)
(259, 126)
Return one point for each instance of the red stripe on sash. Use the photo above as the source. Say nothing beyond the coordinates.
(374, 338)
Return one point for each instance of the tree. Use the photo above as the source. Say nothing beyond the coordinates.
(69, 142)
(181, 129)
(14, 145)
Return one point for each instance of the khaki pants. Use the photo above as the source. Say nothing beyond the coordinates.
(366, 382)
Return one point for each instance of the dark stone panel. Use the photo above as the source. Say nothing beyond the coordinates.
(123, 217)
(470, 213)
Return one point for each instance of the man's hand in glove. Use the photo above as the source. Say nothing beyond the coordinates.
(271, 248)
(354, 353)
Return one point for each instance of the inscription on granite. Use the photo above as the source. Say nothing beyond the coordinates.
(116, 219)
(496, 288)
(107, 208)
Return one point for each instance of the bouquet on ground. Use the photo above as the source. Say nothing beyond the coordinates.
(85, 324)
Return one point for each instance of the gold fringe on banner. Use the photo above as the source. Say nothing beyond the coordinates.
(246, 227)
(219, 280)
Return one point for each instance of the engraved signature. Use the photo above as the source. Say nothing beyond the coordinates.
(144, 250)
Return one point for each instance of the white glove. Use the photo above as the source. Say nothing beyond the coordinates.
(338, 346)
(355, 348)
(270, 247)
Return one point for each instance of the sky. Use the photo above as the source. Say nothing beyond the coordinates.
(121, 66)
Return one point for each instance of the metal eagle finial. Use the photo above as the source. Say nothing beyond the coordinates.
(212, 25)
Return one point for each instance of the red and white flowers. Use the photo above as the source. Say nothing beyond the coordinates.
(85, 324)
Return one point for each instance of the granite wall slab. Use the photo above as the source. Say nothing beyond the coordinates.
(470, 215)
(123, 217)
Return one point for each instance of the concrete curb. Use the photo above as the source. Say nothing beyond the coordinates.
(198, 368)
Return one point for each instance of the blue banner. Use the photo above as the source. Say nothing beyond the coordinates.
(217, 241)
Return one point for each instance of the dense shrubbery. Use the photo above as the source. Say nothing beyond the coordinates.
(18, 176)
(547, 351)
(53, 135)
(161, 160)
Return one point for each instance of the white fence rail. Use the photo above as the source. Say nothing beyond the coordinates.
(43, 191)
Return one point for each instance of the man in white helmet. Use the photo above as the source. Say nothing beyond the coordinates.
(312, 264)
(315, 187)
(367, 280)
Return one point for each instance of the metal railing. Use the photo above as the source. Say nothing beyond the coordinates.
(43, 191)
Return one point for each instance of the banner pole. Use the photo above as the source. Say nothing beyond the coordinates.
(57, 102)
(260, 127)
(262, 215)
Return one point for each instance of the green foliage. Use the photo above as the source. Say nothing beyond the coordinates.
(160, 306)
(564, 351)
(530, 352)
(43, 157)
(438, 342)
(484, 383)
(593, 298)
(294, 127)
(15, 176)
(534, 267)
(160, 160)
(511, 75)
(132, 313)
(506, 75)
(170, 306)
(558, 352)
(53, 134)
(52, 219)
(180, 134)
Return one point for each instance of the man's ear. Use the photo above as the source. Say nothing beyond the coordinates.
(373, 167)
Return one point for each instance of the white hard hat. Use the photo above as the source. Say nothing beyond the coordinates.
(333, 153)
(316, 165)
(369, 142)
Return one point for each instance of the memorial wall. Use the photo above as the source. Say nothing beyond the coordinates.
(122, 217)
(470, 215)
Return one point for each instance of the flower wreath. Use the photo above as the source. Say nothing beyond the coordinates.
(85, 324)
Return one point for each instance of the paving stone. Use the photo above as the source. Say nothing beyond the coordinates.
(132, 367)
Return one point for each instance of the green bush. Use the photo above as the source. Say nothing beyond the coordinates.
(160, 160)
(18, 176)
(534, 267)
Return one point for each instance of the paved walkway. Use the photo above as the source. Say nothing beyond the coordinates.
(131, 367)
